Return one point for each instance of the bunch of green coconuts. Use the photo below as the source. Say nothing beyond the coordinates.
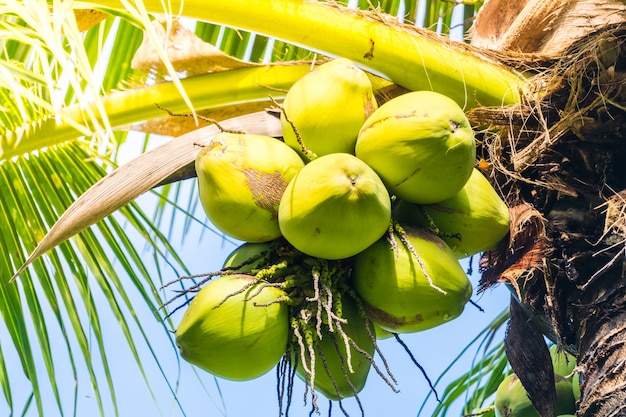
(512, 400)
(353, 225)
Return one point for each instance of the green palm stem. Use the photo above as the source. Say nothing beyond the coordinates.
(414, 58)
(208, 91)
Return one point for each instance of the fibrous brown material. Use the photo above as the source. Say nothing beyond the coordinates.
(540, 26)
(559, 165)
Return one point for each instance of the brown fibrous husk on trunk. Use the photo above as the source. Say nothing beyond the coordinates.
(559, 161)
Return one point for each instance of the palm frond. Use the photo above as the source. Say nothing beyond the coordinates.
(479, 383)
(407, 56)
(48, 64)
(102, 261)
(212, 90)
(110, 47)
(54, 67)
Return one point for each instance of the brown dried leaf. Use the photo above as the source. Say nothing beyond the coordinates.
(539, 26)
(136, 177)
(188, 53)
(176, 125)
(522, 254)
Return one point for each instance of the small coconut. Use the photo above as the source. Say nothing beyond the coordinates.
(234, 329)
(241, 179)
(403, 293)
(576, 385)
(512, 400)
(421, 144)
(249, 256)
(328, 107)
(563, 363)
(474, 220)
(333, 377)
(335, 207)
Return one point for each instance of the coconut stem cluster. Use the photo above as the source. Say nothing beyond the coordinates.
(330, 344)
(354, 225)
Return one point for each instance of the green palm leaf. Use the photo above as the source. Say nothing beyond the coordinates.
(478, 384)
(54, 179)
(38, 181)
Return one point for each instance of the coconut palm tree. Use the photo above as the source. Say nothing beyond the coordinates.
(545, 102)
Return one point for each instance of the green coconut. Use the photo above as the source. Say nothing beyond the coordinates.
(334, 208)
(249, 256)
(474, 220)
(512, 400)
(563, 363)
(421, 144)
(240, 337)
(381, 334)
(402, 294)
(328, 107)
(335, 381)
(576, 385)
(241, 179)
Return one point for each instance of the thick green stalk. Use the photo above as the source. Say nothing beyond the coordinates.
(413, 58)
(136, 105)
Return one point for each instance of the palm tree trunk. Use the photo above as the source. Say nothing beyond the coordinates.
(602, 351)
(561, 170)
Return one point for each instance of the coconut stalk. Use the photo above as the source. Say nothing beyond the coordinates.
(206, 92)
(413, 58)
